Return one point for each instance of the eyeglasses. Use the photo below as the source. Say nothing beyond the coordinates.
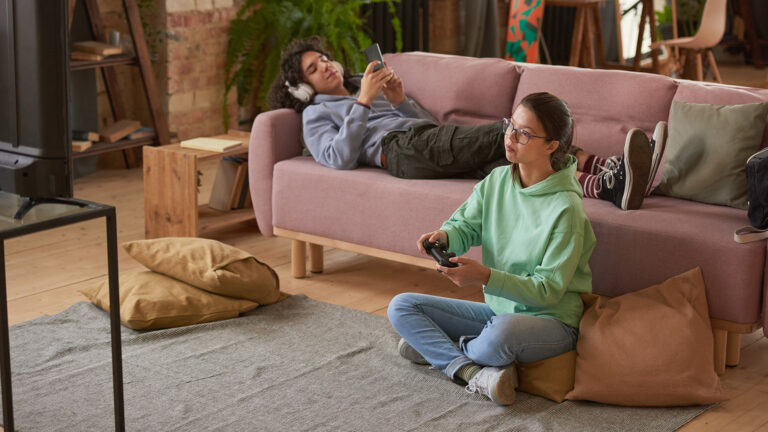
(521, 136)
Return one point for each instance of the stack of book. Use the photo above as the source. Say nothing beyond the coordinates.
(83, 140)
(230, 188)
(92, 50)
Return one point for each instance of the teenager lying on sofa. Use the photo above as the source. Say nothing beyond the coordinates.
(369, 120)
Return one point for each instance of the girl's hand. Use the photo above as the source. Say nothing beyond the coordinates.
(469, 272)
(433, 237)
(373, 82)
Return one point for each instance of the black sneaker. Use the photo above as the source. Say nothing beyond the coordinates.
(658, 144)
(625, 185)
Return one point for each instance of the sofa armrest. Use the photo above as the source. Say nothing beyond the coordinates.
(275, 136)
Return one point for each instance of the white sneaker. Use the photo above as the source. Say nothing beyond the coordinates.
(658, 144)
(497, 384)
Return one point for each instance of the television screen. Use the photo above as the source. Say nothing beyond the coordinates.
(35, 145)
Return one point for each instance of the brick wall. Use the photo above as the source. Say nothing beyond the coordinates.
(188, 61)
(196, 47)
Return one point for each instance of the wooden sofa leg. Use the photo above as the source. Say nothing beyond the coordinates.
(298, 258)
(733, 349)
(315, 258)
(721, 339)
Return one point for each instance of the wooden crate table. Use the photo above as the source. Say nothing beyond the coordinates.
(171, 194)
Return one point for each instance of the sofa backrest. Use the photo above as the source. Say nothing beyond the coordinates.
(605, 104)
(458, 90)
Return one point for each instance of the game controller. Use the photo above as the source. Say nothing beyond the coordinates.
(440, 253)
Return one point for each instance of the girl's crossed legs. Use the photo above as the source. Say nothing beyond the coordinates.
(434, 325)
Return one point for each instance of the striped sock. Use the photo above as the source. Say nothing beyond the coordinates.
(468, 371)
(593, 164)
(589, 184)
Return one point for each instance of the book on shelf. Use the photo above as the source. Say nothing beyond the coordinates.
(84, 55)
(99, 48)
(81, 145)
(230, 187)
(211, 144)
(119, 130)
(85, 135)
(142, 132)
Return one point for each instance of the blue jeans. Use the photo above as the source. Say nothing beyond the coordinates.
(451, 333)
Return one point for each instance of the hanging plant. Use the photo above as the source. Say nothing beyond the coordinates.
(264, 27)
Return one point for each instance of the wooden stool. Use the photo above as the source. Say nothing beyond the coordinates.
(586, 27)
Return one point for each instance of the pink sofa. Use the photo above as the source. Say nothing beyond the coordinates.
(368, 211)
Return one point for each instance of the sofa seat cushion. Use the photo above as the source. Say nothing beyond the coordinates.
(365, 206)
(667, 236)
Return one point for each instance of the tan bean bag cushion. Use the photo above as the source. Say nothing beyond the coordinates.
(652, 347)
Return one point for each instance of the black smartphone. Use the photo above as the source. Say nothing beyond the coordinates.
(373, 53)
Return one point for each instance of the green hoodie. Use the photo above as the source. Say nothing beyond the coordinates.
(536, 240)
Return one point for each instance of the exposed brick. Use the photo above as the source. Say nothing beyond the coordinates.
(174, 20)
(223, 3)
(180, 5)
(180, 101)
(204, 5)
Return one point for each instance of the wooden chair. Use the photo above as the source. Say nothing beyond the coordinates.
(708, 35)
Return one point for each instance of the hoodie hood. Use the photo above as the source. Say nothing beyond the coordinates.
(561, 181)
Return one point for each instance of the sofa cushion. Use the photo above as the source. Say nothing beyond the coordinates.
(605, 104)
(151, 301)
(210, 265)
(458, 90)
(707, 149)
(668, 236)
(365, 206)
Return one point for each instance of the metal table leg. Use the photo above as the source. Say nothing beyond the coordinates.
(114, 323)
(5, 348)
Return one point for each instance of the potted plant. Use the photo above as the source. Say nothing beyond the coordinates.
(688, 18)
(263, 27)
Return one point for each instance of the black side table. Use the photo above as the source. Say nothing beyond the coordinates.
(40, 218)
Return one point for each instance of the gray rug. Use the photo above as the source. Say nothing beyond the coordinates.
(299, 365)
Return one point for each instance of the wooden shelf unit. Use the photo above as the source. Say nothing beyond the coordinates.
(106, 65)
(171, 206)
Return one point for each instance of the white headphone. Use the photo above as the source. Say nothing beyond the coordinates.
(303, 91)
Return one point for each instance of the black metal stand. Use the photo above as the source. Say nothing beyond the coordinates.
(73, 211)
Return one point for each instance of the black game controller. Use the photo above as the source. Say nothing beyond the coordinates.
(440, 253)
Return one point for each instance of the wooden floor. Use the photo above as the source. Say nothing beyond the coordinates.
(46, 270)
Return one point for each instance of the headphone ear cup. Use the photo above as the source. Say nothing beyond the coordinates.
(339, 67)
(302, 91)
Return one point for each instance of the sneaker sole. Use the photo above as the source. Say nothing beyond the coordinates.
(503, 393)
(660, 142)
(636, 151)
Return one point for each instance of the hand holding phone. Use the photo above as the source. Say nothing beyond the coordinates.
(373, 53)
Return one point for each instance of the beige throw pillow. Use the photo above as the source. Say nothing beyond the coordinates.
(707, 149)
(150, 301)
(209, 265)
(652, 347)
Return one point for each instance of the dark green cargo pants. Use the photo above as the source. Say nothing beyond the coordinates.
(430, 151)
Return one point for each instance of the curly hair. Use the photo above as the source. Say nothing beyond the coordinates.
(290, 71)
(556, 117)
